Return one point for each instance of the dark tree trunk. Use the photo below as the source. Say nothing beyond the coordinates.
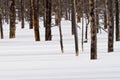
(59, 23)
(56, 12)
(93, 31)
(31, 20)
(1, 28)
(110, 25)
(44, 14)
(48, 21)
(105, 20)
(12, 19)
(96, 16)
(117, 20)
(22, 13)
(75, 28)
(35, 19)
(86, 30)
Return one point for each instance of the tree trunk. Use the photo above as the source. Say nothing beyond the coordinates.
(117, 20)
(110, 25)
(75, 28)
(86, 30)
(96, 15)
(93, 31)
(105, 20)
(48, 21)
(1, 28)
(31, 20)
(12, 19)
(59, 23)
(56, 12)
(22, 13)
(35, 19)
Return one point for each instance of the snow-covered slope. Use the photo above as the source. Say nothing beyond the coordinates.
(24, 59)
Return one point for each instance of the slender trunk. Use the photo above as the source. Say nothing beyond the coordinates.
(117, 20)
(44, 14)
(75, 28)
(86, 30)
(22, 13)
(96, 16)
(56, 12)
(105, 20)
(93, 31)
(110, 25)
(1, 28)
(31, 20)
(60, 30)
(48, 21)
(12, 19)
(82, 26)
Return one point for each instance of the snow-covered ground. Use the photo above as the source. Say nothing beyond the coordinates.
(24, 59)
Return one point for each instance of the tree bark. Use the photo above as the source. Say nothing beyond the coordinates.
(22, 13)
(48, 21)
(93, 31)
(59, 23)
(12, 19)
(75, 28)
(110, 25)
(1, 28)
(35, 18)
(31, 20)
(117, 20)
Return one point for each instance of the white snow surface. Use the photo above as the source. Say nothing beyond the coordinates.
(24, 59)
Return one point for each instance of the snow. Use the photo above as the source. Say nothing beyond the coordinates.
(24, 59)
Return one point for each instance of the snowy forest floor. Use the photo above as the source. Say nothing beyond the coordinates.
(24, 59)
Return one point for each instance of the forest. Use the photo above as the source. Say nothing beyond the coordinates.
(96, 14)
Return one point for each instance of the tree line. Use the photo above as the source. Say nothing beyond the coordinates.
(76, 11)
